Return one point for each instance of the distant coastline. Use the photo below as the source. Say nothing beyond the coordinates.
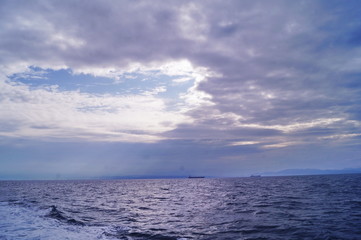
(309, 171)
(285, 172)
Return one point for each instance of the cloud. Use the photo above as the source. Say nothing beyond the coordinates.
(54, 112)
(49, 112)
(270, 76)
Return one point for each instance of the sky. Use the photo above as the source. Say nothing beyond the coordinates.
(175, 88)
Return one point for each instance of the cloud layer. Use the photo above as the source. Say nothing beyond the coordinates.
(246, 77)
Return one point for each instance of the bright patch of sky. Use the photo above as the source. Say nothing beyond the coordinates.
(174, 82)
(136, 104)
(149, 82)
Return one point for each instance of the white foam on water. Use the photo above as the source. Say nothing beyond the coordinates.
(17, 222)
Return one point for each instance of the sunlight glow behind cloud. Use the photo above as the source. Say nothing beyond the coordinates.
(48, 112)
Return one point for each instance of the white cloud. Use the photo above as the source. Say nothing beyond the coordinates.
(156, 90)
(280, 145)
(341, 136)
(181, 71)
(288, 128)
(108, 72)
(49, 112)
(242, 143)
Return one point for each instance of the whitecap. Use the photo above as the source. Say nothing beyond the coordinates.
(18, 222)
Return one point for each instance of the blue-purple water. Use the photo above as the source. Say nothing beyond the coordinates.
(299, 207)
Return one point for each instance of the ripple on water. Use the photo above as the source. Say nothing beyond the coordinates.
(308, 207)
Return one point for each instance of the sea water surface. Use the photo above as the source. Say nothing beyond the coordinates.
(298, 207)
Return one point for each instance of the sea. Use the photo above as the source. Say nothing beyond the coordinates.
(294, 207)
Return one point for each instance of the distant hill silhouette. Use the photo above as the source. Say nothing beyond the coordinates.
(290, 172)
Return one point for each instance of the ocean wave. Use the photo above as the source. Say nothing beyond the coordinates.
(19, 222)
(34, 223)
(59, 215)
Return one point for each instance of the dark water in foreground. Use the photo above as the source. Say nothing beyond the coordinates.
(300, 207)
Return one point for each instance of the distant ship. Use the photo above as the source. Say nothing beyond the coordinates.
(196, 177)
(255, 175)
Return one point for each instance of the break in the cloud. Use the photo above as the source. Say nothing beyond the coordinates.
(213, 87)
(124, 108)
